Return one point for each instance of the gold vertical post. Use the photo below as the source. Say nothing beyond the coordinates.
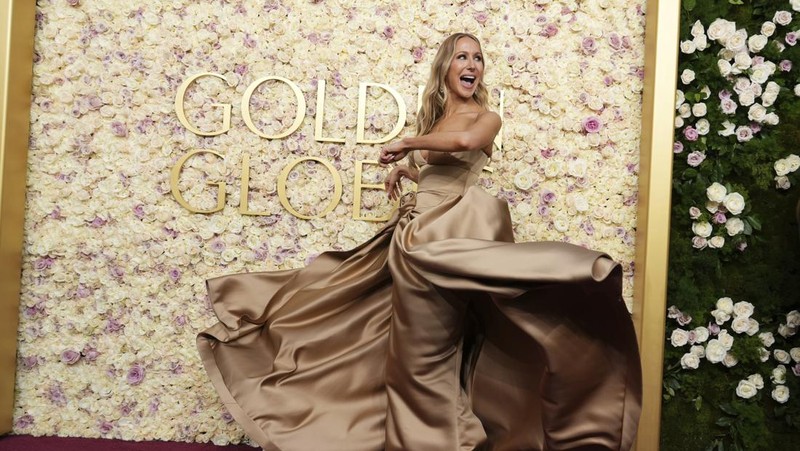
(16, 63)
(653, 215)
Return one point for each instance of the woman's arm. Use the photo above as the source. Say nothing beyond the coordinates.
(392, 182)
(478, 135)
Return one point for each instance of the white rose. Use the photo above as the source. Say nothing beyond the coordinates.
(688, 47)
(716, 192)
(771, 119)
(561, 223)
(703, 127)
(746, 389)
(690, 361)
(795, 5)
(781, 356)
(699, 109)
(524, 180)
(678, 122)
(580, 202)
(768, 98)
(716, 242)
(712, 207)
(759, 75)
(742, 61)
(706, 91)
(730, 360)
(724, 67)
(743, 309)
(757, 113)
(753, 329)
(715, 352)
(763, 354)
(793, 318)
(734, 202)
(725, 304)
(794, 162)
(782, 182)
(781, 167)
(756, 43)
(767, 28)
(680, 97)
(734, 226)
(786, 331)
(697, 29)
(700, 42)
(679, 338)
(552, 168)
(720, 30)
(757, 380)
(720, 316)
(737, 41)
(685, 110)
(742, 85)
(747, 98)
(797, 90)
(795, 354)
(778, 375)
(698, 350)
(702, 229)
(700, 334)
(780, 393)
(728, 129)
(740, 324)
(767, 338)
(782, 17)
(577, 167)
(726, 339)
(687, 76)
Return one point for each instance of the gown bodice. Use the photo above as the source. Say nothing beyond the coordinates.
(445, 175)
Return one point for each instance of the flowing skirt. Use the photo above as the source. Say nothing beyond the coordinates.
(439, 333)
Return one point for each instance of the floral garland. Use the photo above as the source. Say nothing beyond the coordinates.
(114, 269)
(736, 108)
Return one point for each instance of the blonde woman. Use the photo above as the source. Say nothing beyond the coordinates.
(439, 333)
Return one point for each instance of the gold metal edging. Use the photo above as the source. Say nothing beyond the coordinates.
(653, 215)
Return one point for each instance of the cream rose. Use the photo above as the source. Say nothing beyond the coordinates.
(724, 67)
(725, 304)
(767, 28)
(743, 309)
(699, 109)
(730, 360)
(795, 354)
(690, 361)
(781, 167)
(781, 356)
(767, 338)
(793, 318)
(757, 380)
(698, 350)
(716, 242)
(778, 375)
(715, 352)
(737, 41)
(794, 162)
(757, 113)
(753, 329)
(782, 182)
(687, 76)
(780, 394)
(756, 43)
(782, 18)
(702, 229)
(679, 338)
(703, 127)
(688, 47)
(725, 339)
(734, 202)
(734, 226)
(742, 61)
(720, 30)
(746, 389)
(716, 192)
(740, 324)
(700, 334)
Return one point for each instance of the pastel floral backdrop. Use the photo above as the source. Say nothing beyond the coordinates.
(732, 374)
(114, 267)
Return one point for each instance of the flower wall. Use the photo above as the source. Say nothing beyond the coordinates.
(114, 267)
(732, 370)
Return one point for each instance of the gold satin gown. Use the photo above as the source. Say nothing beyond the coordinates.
(439, 333)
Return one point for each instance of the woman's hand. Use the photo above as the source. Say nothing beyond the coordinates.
(395, 151)
(392, 182)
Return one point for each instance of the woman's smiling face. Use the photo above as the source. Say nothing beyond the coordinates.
(466, 69)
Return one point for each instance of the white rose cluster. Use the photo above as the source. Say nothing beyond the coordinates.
(723, 207)
(783, 167)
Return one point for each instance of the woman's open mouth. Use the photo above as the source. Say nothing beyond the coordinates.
(467, 80)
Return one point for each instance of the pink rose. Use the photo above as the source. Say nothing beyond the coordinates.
(70, 357)
(592, 124)
(695, 158)
(785, 65)
(691, 133)
(677, 147)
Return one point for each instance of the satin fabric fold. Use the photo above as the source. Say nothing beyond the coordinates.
(439, 333)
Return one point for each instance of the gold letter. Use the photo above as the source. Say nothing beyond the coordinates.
(173, 183)
(337, 192)
(179, 100)
(298, 119)
(358, 185)
(362, 111)
(320, 116)
(244, 208)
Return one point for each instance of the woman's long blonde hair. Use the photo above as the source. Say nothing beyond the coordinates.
(435, 95)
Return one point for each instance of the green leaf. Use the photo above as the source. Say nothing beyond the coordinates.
(734, 2)
(754, 222)
(727, 408)
(689, 5)
(698, 403)
(724, 421)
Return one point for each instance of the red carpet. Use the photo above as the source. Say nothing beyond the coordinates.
(28, 443)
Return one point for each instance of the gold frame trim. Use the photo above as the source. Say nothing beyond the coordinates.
(662, 30)
(16, 74)
(661, 50)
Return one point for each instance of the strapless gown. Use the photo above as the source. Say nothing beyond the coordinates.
(439, 333)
